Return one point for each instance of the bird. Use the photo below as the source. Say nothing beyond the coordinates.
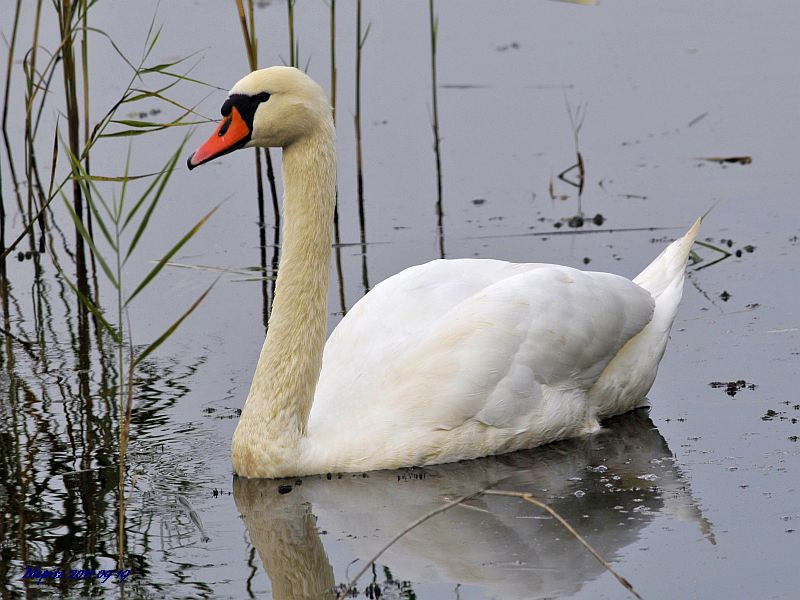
(450, 360)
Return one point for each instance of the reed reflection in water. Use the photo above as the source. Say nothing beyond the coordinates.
(609, 486)
(59, 475)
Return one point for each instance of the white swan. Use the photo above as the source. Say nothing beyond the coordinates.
(450, 360)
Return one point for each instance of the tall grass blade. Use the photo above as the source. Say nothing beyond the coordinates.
(144, 127)
(89, 192)
(121, 178)
(50, 197)
(88, 239)
(103, 228)
(87, 302)
(171, 329)
(159, 182)
(248, 40)
(146, 218)
(292, 45)
(165, 259)
(9, 65)
(360, 39)
(120, 206)
(337, 236)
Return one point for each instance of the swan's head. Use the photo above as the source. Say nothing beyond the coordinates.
(271, 107)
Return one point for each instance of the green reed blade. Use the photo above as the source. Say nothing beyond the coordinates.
(171, 329)
(90, 192)
(142, 199)
(93, 308)
(146, 218)
(170, 254)
(88, 239)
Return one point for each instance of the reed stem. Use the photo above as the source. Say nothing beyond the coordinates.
(9, 65)
(337, 236)
(434, 29)
(360, 40)
(68, 62)
(292, 46)
(333, 57)
(30, 92)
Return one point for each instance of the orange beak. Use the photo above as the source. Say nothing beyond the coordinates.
(231, 134)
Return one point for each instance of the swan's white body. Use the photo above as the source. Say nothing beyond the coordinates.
(450, 360)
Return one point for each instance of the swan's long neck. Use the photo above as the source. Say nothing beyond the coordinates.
(275, 414)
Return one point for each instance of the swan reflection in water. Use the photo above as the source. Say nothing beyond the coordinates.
(609, 486)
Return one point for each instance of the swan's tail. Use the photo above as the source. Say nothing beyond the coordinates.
(668, 268)
(627, 378)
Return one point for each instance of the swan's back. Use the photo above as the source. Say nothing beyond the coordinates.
(393, 317)
(401, 308)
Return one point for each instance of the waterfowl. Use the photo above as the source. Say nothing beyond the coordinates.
(445, 361)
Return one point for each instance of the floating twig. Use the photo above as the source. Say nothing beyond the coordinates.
(184, 501)
(735, 160)
(567, 232)
(697, 119)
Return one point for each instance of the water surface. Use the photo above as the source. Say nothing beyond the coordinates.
(697, 499)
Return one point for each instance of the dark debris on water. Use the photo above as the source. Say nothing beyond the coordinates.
(26, 255)
(729, 160)
(780, 415)
(733, 387)
(388, 588)
(579, 221)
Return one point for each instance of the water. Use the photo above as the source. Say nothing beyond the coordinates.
(698, 499)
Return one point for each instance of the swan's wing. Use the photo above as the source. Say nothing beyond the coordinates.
(491, 356)
(397, 311)
(407, 303)
(389, 321)
(453, 349)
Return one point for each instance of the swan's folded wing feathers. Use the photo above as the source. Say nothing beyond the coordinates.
(389, 321)
(410, 301)
(488, 357)
(451, 341)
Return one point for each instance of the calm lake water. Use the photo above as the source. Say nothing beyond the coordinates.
(700, 498)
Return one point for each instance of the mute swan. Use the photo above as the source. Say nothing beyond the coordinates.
(450, 360)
